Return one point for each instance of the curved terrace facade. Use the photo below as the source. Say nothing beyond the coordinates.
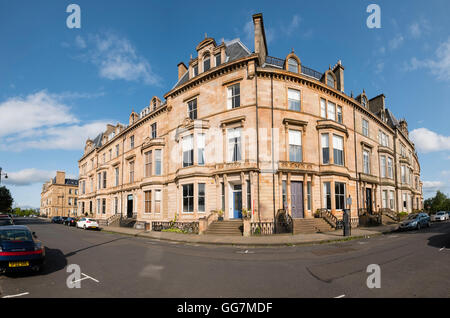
(244, 130)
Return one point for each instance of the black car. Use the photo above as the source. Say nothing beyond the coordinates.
(20, 249)
(57, 220)
(6, 222)
(70, 222)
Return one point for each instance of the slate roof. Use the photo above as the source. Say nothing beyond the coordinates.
(98, 140)
(393, 122)
(71, 182)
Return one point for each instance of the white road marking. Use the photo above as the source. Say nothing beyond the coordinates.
(18, 295)
(85, 277)
(341, 296)
(245, 252)
(442, 249)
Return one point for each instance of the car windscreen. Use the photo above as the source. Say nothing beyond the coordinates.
(15, 235)
(412, 216)
(440, 213)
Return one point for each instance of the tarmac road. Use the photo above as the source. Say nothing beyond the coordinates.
(412, 264)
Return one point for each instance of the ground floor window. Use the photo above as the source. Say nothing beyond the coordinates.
(201, 197)
(384, 199)
(391, 200)
(284, 195)
(147, 201)
(223, 195)
(308, 194)
(339, 193)
(327, 195)
(188, 198)
(249, 195)
(157, 201)
(104, 206)
(404, 201)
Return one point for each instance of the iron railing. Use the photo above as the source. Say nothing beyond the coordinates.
(187, 227)
(331, 219)
(310, 72)
(275, 61)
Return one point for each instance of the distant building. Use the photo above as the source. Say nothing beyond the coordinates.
(242, 129)
(59, 196)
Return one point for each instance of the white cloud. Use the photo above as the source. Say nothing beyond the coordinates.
(292, 26)
(28, 176)
(438, 66)
(43, 121)
(429, 141)
(116, 58)
(396, 42)
(379, 67)
(41, 109)
(419, 28)
(432, 185)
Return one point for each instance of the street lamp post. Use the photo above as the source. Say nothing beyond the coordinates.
(4, 174)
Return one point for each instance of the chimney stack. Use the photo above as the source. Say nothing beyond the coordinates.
(181, 69)
(260, 38)
(338, 70)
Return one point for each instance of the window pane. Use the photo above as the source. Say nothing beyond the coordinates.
(323, 108)
(294, 99)
(331, 111)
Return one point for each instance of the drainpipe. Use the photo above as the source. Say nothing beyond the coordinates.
(273, 163)
(356, 163)
(257, 142)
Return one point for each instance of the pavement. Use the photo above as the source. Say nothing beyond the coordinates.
(257, 240)
(411, 264)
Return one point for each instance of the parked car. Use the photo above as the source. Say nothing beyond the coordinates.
(440, 216)
(87, 223)
(415, 221)
(20, 249)
(56, 219)
(70, 222)
(6, 222)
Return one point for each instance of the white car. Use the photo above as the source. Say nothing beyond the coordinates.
(86, 223)
(440, 216)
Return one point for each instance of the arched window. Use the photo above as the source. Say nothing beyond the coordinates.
(293, 65)
(154, 103)
(364, 101)
(330, 80)
(206, 63)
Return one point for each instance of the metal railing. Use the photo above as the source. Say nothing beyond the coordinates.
(310, 72)
(262, 228)
(187, 227)
(330, 218)
(275, 61)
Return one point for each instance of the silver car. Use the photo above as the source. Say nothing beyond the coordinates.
(440, 216)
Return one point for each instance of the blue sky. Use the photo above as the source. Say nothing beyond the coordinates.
(59, 86)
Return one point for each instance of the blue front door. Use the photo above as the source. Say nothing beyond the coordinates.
(237, 202)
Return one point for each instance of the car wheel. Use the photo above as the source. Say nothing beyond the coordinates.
(84, 227)
(418, 226)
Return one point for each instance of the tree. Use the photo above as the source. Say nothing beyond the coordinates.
(6, 200)
(440, 202)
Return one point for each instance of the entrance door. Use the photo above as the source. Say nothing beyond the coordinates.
(237, 201)
(369, 200)
(297, 200)
(130, 206)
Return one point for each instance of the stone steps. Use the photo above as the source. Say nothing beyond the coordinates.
(225, 228)
(308, 226)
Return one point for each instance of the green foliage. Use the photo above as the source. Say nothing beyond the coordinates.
(440, 202)
(6, 200)
(174, 230)
(257, 231)
(21, 212)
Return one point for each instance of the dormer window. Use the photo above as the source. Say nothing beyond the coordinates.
(206, 63)
(364, 101)
(195, 70)
(292, 65)
(218, 59)
(330, 80)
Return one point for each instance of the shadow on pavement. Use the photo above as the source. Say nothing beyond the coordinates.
(92, 246)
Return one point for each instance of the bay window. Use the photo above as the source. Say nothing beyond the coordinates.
(201, 197)
(338, 150)
(201, 149)
(325, 149)
(188, 198)
(188, 151)
(327, 195)
(331, 111)
(339, 195)
(383, 166)
(158, 165)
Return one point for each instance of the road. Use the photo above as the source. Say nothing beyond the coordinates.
(413, 264)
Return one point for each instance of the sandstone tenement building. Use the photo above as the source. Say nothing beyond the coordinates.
(59, 196)
(243, 129)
